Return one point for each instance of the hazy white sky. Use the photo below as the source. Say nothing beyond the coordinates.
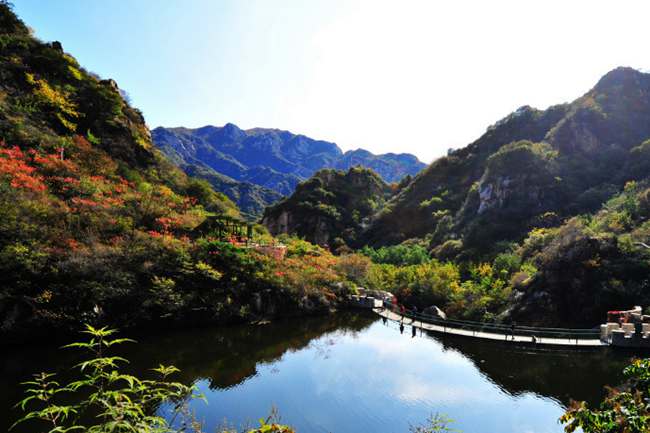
(388, 76)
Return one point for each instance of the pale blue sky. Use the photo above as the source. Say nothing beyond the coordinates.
(402, 76)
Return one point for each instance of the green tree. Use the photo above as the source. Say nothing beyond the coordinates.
(623, 411)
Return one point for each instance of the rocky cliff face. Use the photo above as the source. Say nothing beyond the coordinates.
(495, 194)
(321, 227)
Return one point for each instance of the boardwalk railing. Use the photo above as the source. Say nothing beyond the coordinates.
(498, 328)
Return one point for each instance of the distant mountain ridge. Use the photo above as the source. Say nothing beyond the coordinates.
(271, 162)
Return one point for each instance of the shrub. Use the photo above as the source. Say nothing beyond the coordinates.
(354, 267)
(624, 410)
(449, 249)
(506, 264)
(299, 247)
(402, 254)
(103, 398)
(436, 423)
(422, 285)
(57, 101)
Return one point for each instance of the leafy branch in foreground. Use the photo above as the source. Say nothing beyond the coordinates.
(623, 411)
(104, 398)
(436, 423)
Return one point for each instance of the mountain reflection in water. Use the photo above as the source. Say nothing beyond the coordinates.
(562, 375)
(349, 372)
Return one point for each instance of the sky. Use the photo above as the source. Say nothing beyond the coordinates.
(387, 76)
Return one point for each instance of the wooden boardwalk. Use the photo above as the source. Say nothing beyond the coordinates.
(522, 339)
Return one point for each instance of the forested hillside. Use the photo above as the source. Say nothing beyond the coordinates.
(531, 168)
(554, 198)
(332, 208)
(561, 191)
(97, 226)
(589, 264)
(544, 214)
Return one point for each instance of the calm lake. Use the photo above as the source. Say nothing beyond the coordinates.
(352, 373)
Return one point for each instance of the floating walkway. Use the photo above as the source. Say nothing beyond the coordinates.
(490, 331)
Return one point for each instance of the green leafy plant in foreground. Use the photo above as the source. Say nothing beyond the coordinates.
(623, 411)
(104, 399)
(436, 423)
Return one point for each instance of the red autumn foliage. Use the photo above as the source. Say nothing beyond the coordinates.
(167, 222)
(73, 244)
(52, 165)
(83, 202)
(14, 166)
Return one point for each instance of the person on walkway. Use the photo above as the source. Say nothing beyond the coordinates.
(383, 319)
(401, 328)
(413, 329)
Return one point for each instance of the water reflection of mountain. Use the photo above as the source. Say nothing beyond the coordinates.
(224, 356)
(229, 356)
(559, 374)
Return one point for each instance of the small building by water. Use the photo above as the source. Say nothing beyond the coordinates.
(629, 328)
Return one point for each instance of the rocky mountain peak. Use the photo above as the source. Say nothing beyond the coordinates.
(622, 77)
(230, 131)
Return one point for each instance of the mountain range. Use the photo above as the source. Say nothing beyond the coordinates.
(257, 167)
